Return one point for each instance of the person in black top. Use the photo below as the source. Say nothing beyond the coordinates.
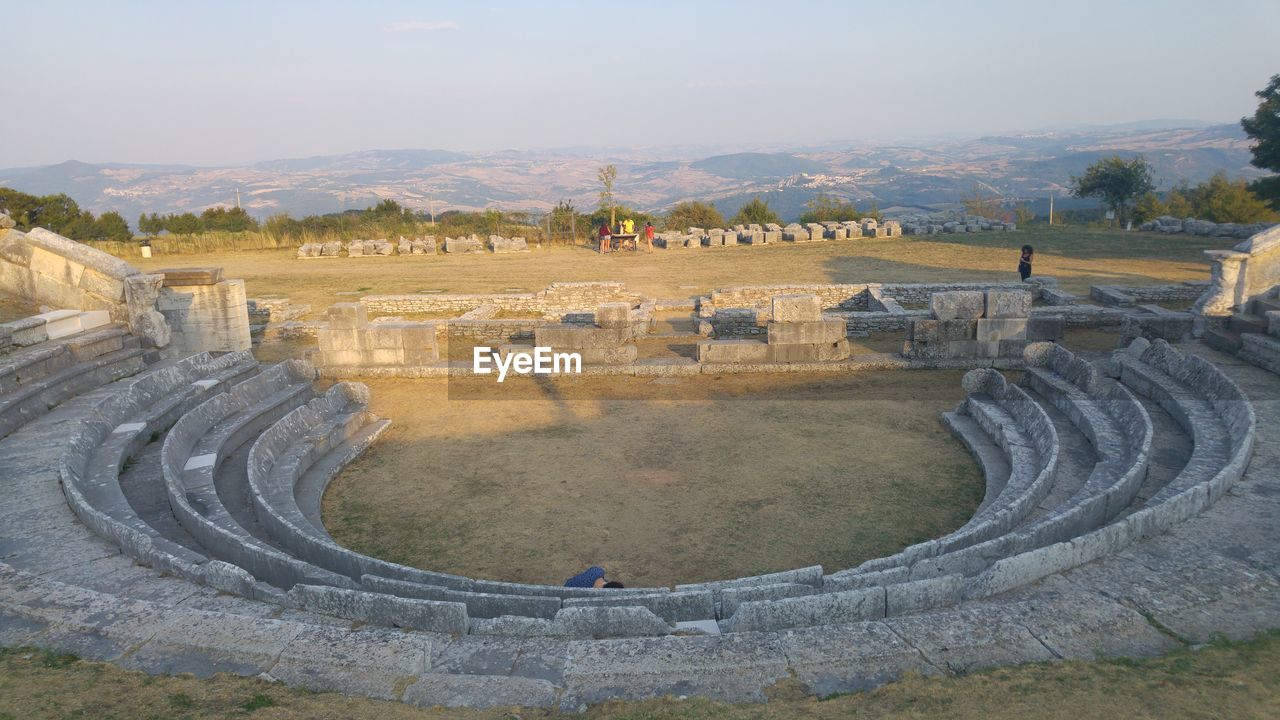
(1024, 263)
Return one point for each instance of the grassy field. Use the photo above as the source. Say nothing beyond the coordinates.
(1228, 680)
(1079, 257)
(661, 481)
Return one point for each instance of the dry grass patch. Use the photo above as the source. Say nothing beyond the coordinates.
(660, 480)
(1078, 257)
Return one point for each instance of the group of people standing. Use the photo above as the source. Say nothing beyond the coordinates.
(627, 235)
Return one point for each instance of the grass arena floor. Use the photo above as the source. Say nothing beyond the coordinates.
(660, 480)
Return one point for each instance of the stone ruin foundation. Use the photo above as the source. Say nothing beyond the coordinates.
(976, 324)
(797, 332)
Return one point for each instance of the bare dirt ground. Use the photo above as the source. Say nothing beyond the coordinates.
(1078, 257)
(662, 481)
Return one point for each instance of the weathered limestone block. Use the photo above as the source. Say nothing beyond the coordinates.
(145, 321)
(1046, 328)
(810, 352)
(213, 318)
(614, 315)
(333, 248)
(957, 304)
(995, 330)
(958, 330)
(309, 250)
(578, 337)
(1008, 304)
(733, 351)
(796, 308)
(813, 331)
(463, 245)
(347, 315)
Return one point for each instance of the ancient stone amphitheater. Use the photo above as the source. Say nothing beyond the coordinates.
(164, 514)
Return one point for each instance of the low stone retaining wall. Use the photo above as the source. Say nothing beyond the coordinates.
(559, 297)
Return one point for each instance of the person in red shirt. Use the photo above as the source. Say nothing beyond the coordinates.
(606, 237)
(648, 235)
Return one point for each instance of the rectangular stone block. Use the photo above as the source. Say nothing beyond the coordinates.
(102, 285)
(994, 330)
(616, 355)
(614, 315)
(391, 357)
(330, 339)
(191, 276)
(819, 331)
(957, 304)
(55, 266)
(957, 330)
(578, 337)
(962, 349)
(1011, 348)
(348, 315)
(796, 308)
(810, 352)
(1046, 327)
(1008, 303)
(732, 351)
(380, 338)
(772, 236)
(921, 330)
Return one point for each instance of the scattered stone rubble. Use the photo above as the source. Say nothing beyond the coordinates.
(1171, 225)
(951, 222)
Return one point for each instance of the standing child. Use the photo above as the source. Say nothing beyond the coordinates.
(1024, 264)
(648, 235)
(606, 237)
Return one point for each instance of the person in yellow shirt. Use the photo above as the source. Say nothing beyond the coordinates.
(629, 226)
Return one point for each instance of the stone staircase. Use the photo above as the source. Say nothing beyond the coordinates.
(167, 517)
(1252, 319)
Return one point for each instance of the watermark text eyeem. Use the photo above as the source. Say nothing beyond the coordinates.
(537, 360)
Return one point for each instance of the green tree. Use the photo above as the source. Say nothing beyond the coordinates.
(1264, 129)
(756, 212)
(111, 225)
(184, 224)
(1149, 207)
(826, 208)
(607, 176)
(1223, 201)
(1177, 202)
(1115, 181)
(220, 219)
(694, 214)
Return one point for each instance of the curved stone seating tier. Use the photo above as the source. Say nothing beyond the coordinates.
(59, 586)
(1020, 427)
(282, 455)
(44, 376)
(1121, 432)
(202, 439)
(1215, 414)
(139, 410)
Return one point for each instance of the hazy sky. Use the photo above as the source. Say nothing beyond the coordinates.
(229, 82)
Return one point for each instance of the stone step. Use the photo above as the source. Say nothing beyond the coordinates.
(1262, 306)
(1262, 350)
(1248, 323)
(1223, 340)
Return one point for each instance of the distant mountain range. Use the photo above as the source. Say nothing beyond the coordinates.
(1025, 166)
